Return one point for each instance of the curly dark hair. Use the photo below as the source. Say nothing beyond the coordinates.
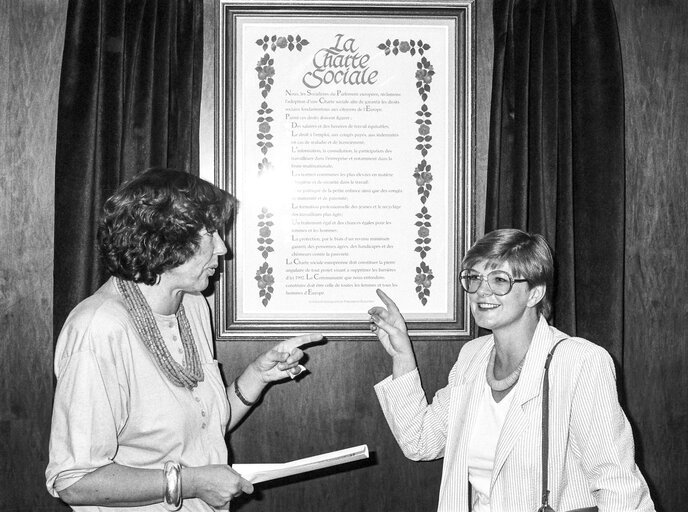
(152, 223)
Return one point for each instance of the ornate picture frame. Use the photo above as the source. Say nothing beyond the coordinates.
(346, 133)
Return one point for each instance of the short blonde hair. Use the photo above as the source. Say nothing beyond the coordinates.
(528, 254)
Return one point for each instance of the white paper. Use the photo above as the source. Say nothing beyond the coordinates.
(256, 473)
(301, 369)
(331, 207)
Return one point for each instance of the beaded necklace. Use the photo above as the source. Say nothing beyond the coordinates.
(508, 381)
(146, 326)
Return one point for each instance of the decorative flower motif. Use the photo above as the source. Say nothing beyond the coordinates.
(264, 110)
(422, 173)
(264, 166)
(265, 72)
(264, 136)
(424, 115)
(423, 282)
(265, 280)
(290, 42)
(423, 178)
(423, 121)
(424, 75)
(265, 69)
(264, 232)
(411, 47)
(423, 224)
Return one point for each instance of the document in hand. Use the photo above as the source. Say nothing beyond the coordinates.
(256, 473)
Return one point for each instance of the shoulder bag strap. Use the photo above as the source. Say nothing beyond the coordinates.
(545, 431)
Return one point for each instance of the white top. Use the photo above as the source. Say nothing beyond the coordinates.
(113, 404)
(483, 445)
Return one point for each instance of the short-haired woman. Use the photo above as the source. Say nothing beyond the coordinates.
(487, 422)
(141, 410)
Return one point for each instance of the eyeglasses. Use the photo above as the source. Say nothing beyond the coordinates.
(499, 281)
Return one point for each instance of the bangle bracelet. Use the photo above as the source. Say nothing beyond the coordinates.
(172, 486)
(241, 397)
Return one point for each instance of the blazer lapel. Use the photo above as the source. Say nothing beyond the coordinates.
(528, 388)
(461, 421)
(467, 408)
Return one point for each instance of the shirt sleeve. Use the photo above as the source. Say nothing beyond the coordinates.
(603, 438)
(88, 412)
(419, 428)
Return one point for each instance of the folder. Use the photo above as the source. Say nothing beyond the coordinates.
(256, 473)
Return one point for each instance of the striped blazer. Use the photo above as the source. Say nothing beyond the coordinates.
(591, 450)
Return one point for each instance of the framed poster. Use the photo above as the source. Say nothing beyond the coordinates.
(345, 131)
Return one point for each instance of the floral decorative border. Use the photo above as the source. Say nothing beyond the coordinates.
(264, 136)
(264, 277)
(422, 173)
(265, 70)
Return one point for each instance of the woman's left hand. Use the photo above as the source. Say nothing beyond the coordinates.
(282, 360)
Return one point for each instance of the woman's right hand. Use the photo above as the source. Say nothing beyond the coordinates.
(216, 484)
(390, 328)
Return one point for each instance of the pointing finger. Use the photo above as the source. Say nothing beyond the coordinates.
(292, 343)
(387, 301)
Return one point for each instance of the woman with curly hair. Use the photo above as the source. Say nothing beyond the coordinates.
(141, 410)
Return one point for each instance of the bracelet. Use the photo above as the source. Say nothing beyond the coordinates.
(241, 397)
(172, 486)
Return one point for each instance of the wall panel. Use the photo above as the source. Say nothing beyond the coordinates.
(31, 35)
(335, 407)
(654, 39)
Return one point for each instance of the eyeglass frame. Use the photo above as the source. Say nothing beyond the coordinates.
(485, 279)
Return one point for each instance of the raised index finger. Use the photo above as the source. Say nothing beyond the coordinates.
(297, 341)
(391, 306)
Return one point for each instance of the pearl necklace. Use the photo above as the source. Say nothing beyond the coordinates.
(508, 381)
(147, 327)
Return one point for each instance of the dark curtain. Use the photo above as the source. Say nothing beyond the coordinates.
(129, 99)
(556, 154)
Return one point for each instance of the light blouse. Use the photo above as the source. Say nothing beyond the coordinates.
(113, 404)
(483, 445)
